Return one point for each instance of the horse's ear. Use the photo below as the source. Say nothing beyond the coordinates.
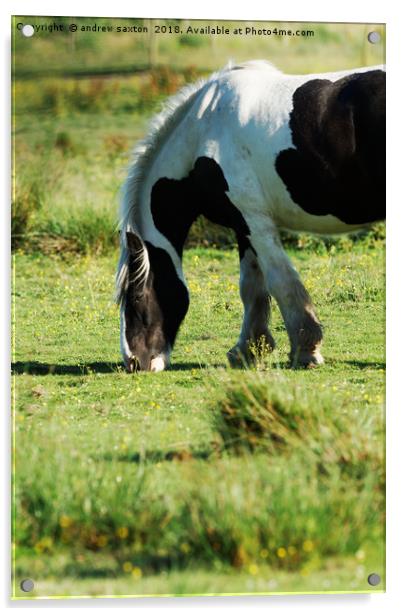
(135, 244)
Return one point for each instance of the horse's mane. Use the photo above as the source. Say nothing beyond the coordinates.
(160, 128)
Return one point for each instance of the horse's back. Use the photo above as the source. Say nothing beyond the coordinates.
(284, 147)
(308, 151)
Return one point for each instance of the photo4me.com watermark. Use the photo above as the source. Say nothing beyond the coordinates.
(157, 28)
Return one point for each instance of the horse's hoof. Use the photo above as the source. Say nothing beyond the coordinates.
(307, 360)
(314, 362)
(238, 358)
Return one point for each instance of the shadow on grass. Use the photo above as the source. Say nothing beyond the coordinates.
(156, 455)
(188, 365)
(379, 365)
(39, 368)
(109, 567)
(90, 571)
(35, 367)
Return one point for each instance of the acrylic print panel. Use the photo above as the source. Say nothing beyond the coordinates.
(150, 461)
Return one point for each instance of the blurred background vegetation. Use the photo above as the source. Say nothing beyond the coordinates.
(82, 99)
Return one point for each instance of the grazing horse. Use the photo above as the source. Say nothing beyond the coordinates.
(255, 150)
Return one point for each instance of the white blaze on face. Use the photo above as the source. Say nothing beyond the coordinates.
(124, 348)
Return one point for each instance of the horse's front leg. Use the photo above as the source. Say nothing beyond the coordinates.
(257, 309)
(284, 284)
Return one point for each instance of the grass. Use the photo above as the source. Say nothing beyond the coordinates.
(136, 484)
(336, 575)
(201, 479)
(68, 177)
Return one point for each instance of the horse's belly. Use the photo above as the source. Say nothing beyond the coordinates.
(288, 215)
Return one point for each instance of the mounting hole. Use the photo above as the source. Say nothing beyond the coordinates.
(28, 30)
(374, 579)
(27, 585)
(374, 37)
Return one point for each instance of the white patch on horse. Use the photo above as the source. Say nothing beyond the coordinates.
(160, 362)
(124, 347)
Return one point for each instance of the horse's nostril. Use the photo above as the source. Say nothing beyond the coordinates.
(133, 365)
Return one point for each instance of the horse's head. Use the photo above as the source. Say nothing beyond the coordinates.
(154, 304)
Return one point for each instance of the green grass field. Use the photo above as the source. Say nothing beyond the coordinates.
(132, 483)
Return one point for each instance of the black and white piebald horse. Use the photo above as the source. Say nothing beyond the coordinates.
(257, 151)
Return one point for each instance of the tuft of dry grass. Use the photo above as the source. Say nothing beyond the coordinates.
(269, 415)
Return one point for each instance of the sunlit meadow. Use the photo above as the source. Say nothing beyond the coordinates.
(132, 478)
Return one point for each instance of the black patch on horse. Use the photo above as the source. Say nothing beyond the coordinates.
(171, 294)
(243, 243)
(176, 204)
(337, 164)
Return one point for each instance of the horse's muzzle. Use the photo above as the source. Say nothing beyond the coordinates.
(154, 364)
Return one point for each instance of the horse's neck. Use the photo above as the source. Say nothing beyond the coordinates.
(170, 240)
(167, 219)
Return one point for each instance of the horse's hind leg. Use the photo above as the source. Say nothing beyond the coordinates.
(285, 286)
(257, 307)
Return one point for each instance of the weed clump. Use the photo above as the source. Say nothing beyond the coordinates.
(271, 417)
(27, 202)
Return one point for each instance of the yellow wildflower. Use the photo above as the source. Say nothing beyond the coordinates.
(308, 546)
(102, 541)
(253, 569)
(65, 521)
